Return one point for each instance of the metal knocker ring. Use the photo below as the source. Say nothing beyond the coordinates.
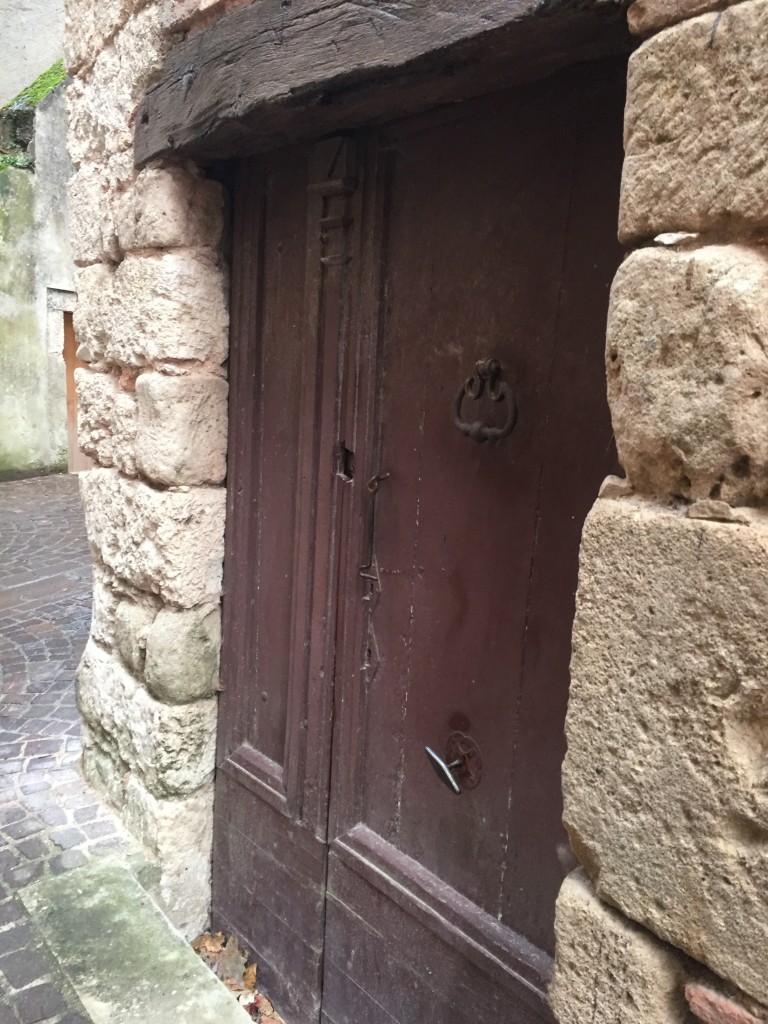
(487, 374)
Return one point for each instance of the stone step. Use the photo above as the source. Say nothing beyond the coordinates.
(120, 954)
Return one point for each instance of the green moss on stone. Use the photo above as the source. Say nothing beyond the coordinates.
(39, 89)
(16, 160)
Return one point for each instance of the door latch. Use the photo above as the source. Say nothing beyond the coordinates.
(462, 761)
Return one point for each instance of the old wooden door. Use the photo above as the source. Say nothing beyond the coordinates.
(392, 584)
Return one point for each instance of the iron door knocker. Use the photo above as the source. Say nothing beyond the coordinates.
(487, 375)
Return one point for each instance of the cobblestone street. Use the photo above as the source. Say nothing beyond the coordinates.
(50, 821)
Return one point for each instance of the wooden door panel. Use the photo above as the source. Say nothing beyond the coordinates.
(293, 224)
(497, 240)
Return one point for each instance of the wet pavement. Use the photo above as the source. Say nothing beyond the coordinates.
(50, 820)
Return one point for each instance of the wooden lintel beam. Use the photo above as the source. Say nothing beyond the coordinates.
(277, 71)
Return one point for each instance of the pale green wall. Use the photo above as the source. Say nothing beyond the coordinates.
(25, 444)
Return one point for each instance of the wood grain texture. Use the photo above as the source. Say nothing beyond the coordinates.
(283, 70)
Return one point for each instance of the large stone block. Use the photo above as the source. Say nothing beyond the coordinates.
(687, 365)
(179, 833)
(93, 191)
(168, 307)
(102, 102)
(94, 296)
(182, 428)
(608, 969)
(169, 207)
(182, 654)
(170, 748)
(666, 776)
(106, 420)
(695, 127)
(169, 543)
(89, 26)
(132, 619)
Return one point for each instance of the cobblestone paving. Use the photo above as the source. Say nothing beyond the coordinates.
(50, 820)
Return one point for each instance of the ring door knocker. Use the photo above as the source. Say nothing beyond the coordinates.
(486, 379)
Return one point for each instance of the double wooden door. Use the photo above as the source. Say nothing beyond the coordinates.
(418, 429)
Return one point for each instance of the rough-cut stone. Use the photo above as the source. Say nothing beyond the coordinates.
(182, 428)
(695, 127)
(608, 969)
(170, 748)
(103, 102)
(687, 363)
(182, 654)
(104, 605)
(131, 622)
(167, 307)
(170, 207)
(89, 26)
(708, 508)
(647, 16)
(179, 832)
(92, 193)
(94, 295)
(169, 543)
(712, 1007)
(666, 776)
(106, 420)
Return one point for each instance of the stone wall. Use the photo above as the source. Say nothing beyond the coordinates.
(151, 322)
(666, 777)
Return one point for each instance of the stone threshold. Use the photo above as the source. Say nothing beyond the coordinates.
(121, 955)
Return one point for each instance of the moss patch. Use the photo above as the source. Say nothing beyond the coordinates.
(39, 89)
(16, 160)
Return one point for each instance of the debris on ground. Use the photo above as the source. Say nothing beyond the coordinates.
(223, 955)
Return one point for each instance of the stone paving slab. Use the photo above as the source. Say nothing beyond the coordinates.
(50, 821)
(120, 953)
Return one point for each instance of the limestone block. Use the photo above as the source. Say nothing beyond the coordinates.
(104, 605)
(170, 748)
(179, 833)
(93, 191)
(132, 620)
(103, 101)
(170, 207)
(169, 543)
(182, 654)
(687, 364)
(89, 26)
(666, 776)
(647, 16)
(182, 428)
(169, 306)
(106, 420)
(609, 969)
(694, 133)
(91, 320)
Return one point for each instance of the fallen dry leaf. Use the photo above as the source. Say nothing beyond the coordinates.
(206, 944)
(227, 960)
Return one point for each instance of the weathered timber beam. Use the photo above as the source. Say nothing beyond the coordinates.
(277, 71)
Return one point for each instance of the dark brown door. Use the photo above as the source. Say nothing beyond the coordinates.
(394, 585)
